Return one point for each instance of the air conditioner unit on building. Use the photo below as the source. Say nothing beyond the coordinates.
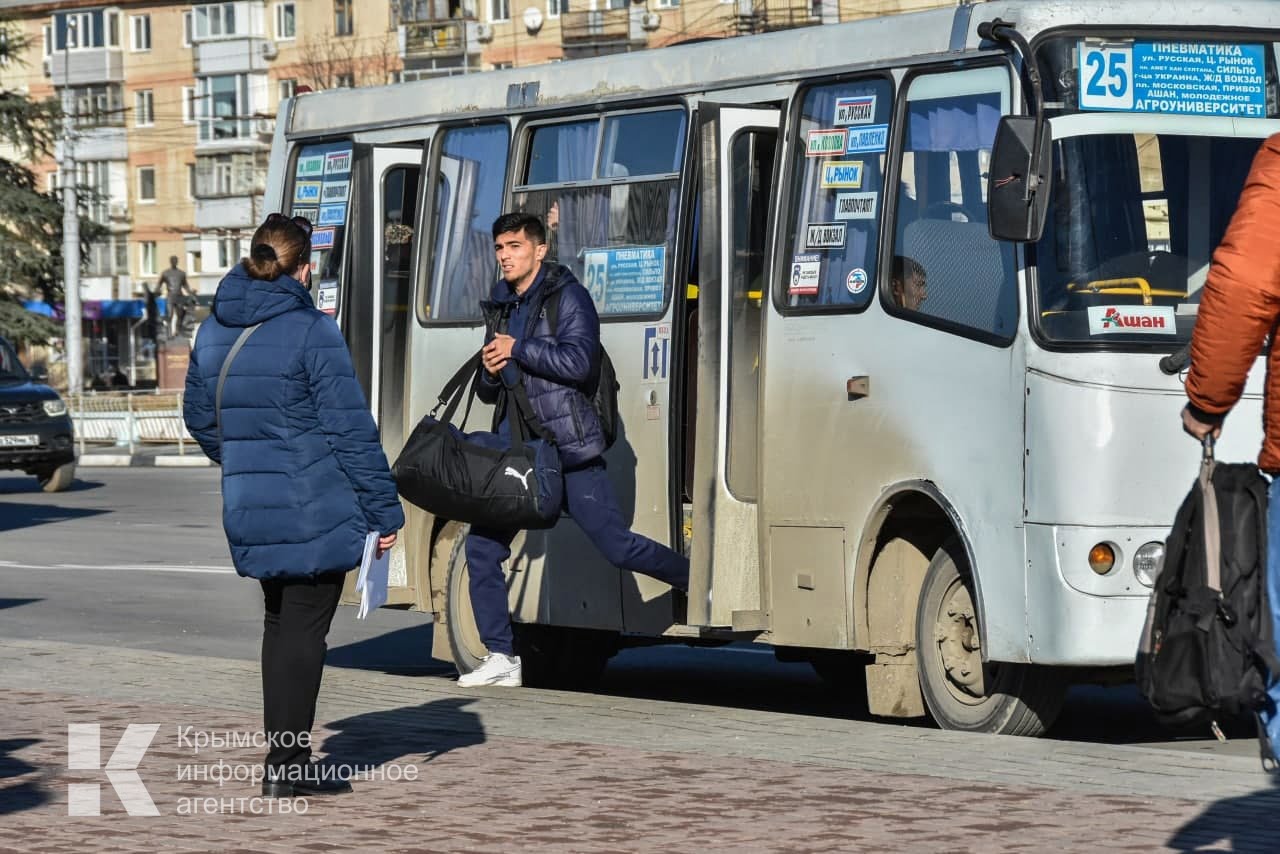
(484, 33)
(118, 210)
(269, 50)
(48, 67)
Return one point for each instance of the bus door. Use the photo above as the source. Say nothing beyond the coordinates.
(902, 371)
(737, 146)
(462, 190)
(375, 309)
(379, 322)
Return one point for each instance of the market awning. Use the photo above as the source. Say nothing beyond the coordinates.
(113, 309)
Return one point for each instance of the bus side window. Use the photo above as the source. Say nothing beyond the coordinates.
(837, 193)
(469, 197)
(946, 265)
(608, 188)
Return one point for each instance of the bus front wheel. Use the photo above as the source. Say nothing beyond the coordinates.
(960, 690)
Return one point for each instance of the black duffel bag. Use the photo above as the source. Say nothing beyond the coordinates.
(474, 477)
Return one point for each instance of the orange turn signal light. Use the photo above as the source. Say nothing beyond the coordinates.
(1102, 558)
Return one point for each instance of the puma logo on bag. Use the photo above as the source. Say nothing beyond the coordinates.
(523, 478)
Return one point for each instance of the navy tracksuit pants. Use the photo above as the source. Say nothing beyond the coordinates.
(589, 498)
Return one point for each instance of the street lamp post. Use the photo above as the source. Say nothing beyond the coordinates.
(70, 227)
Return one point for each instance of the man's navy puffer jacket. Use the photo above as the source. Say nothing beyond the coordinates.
(304, 478)
(560, 369)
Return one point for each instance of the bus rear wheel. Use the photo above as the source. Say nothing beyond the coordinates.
(960, 690)
(465, 646)
(551, 656)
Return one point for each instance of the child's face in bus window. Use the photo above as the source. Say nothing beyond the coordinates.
(910, 293)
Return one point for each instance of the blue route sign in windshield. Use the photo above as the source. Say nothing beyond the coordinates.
(626, 280)
(1182, 78)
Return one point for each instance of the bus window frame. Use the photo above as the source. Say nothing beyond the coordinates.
(291, 176)
(1206, 34)
(287, 204)
(414, 246)
(521, 151)
(728, 218)
(424, 260)
(1031, 261)
(785, 180)
(887, 235)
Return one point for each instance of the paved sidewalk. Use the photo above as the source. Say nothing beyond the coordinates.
(501, 770)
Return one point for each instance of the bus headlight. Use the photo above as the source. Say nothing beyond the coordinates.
(1146, 563)
(1102, 558)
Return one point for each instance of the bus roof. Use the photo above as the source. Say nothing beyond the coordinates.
(753, 60)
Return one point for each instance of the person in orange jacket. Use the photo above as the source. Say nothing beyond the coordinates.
(1239, 308)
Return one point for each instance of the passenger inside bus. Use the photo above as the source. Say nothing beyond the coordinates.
(942, 211)
(907, 283)
(603, 217)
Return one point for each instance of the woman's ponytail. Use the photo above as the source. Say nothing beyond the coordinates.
(279, 247)
(263, 263)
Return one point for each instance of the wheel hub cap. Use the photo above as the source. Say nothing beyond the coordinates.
(959, 643)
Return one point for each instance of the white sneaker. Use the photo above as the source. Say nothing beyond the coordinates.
(495, 669)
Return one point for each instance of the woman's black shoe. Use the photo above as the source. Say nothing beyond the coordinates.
(314, 778)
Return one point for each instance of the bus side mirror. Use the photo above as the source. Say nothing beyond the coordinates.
(1016, 211)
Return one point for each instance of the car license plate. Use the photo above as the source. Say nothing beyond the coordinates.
(19, 441)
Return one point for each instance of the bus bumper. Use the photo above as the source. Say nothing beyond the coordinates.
(1075, 616)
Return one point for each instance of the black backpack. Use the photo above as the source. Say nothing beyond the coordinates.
(1207, 644)
(604, 392)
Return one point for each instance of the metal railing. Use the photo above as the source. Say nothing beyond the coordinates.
(435, 39)
(129, 419)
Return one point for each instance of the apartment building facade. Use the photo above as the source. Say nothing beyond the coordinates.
(174, 104)
(454, 36)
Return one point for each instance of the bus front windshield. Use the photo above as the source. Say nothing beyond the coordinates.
(1133, 222)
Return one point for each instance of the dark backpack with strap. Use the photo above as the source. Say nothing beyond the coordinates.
(1207, 645)
(604, 391)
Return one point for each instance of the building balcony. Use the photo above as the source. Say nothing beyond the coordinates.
(766, 16)
(233, 56)
(233, 134)
(603, 27)
(432, 11)
(85, 66)
(230, 213)
(231, 175)
(119, 215)
(104, 142)
(430, 40)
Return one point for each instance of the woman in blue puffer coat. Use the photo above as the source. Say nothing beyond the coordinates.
(304, 478)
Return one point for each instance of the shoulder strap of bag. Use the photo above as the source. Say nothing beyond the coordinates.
(553, 323)
(526, 417)
(451, 394)
(1212, 531)
(222, 375)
